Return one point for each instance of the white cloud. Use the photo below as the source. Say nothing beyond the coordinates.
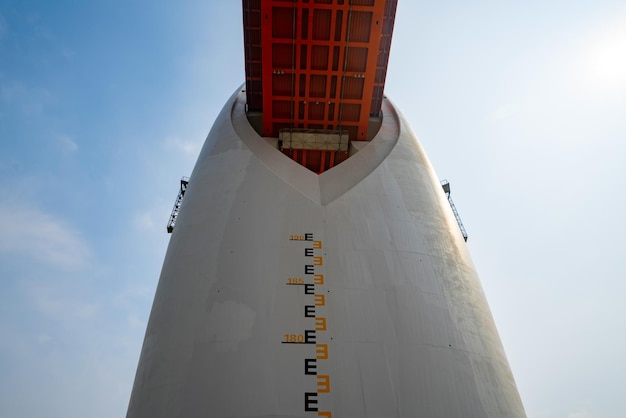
(580, 414)
(60, 304)
(30, 232)
(130, 297)
(153, 217)
(67, 144)
(135, 323)
(144, 221)
(27, 100)
(186, 147)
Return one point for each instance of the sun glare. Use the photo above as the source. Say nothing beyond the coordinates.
(606, 59)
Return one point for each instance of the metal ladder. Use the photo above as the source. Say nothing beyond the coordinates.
(179, 200)
(446, 188)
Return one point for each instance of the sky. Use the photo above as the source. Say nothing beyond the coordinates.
(105, 104)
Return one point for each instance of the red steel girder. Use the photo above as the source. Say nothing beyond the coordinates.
(320, 62)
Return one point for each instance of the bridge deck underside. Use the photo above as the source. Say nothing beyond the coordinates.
(318, 64)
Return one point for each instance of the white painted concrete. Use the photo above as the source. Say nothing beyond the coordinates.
(408, 330)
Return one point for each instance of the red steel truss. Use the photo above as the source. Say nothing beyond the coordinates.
(317, 64)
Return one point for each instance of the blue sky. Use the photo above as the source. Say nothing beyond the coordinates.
(104, 106)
